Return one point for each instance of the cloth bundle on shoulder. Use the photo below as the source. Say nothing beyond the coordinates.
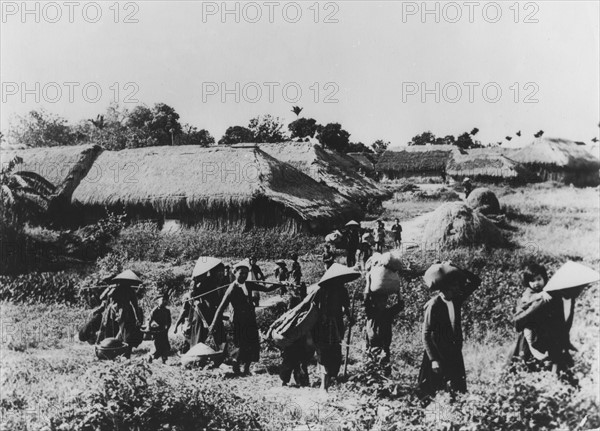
(297, 322)
(383, 272)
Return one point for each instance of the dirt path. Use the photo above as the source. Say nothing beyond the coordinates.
(412, 230)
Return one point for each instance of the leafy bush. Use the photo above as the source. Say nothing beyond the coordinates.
(144, 241)
(40, 287)
(526, 401)
(127, 396)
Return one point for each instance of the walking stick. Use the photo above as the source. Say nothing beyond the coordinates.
(349, 333)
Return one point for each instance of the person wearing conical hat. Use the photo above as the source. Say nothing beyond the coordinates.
(123, 311)
(333, 303)
(246, 339)
(198, 311)
(442, 331)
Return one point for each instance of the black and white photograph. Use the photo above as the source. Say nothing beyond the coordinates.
(300, 215)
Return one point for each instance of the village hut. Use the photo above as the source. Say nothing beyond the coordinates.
(562, 160)
(338, 171)
(488, 166)
(64, 167)
(455, 224)
(366, 161)
(222, 188)
(418, 162)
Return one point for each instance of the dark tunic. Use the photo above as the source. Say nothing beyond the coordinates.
(244, 330)
(443, 343)
(397, 231)
(531, 314)
(353, 243)
(161, 317)
(328, 333)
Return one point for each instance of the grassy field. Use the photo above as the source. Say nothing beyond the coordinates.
(52, 381)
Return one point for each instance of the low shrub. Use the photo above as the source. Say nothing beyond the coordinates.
(126, 395)
(47, 287)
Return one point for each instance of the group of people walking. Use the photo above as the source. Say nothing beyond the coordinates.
(543, 320)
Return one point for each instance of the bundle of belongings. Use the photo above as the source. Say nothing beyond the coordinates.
(383, 270)
(297, 322)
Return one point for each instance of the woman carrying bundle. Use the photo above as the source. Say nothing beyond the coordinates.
(333, 303)
(442, 331)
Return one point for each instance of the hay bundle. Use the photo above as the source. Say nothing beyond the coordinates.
(455, 224)
(484, 201)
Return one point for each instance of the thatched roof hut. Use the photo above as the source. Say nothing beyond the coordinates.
(416, 161)
(216, 187)
(64, 167)
(487, 165)
(560, 160)
(366, 161)
(336, 170)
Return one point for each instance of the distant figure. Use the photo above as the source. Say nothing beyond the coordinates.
(397, 233)
(443, 362)
(380, 237)
(468, 186)
(282, 274)
(353, 241)
(296, 273)
(364, 251)
(160, 320)
(255, 274)
(328, 257)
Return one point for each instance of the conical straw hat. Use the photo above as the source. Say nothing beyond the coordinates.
(352, 223)
(339, 273)
(570, 275)
(128, 276)
(205, 264)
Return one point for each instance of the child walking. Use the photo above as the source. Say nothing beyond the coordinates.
(160, 320)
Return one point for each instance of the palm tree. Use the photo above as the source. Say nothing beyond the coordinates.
(23, 193)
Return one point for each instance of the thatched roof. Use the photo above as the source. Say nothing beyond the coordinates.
(63, 166)
(410, 161)
(173, 178)
(365, 160)
(557, 153)
(485, 164)
(336, 170)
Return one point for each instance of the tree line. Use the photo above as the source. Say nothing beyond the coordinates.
(120, 128)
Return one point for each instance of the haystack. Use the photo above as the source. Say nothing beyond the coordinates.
(457, 225)
(484, 200)
(221, 188)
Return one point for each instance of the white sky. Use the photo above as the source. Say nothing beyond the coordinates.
(368, 54)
